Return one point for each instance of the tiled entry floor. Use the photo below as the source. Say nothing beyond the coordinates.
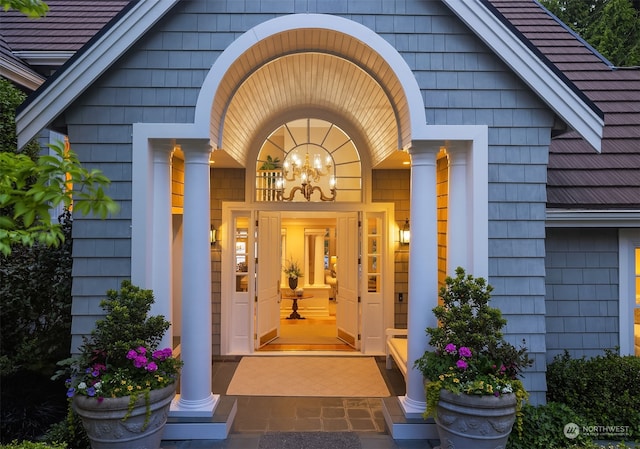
(264, 413)
(259, 414)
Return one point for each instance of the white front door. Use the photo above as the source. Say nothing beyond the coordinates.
(268, 278)
(378, 279)
(348, 269)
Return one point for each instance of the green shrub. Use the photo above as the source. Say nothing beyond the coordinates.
(35, 287)
(32, 445)
(604, 389)
(69, 431)
(543, 428)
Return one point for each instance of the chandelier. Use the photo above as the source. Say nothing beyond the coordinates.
(306, 174)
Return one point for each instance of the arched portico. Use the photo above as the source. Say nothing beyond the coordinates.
(218, 121)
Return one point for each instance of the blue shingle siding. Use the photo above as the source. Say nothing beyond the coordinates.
(462, 82)
(582, 293)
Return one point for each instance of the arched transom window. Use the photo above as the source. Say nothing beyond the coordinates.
(308, 160)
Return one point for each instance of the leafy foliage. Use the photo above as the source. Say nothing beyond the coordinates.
(35, 287)
(610, 26)
(32, 8)
(121, 358)
(603, 389)
(469, 353)
(543, 428)
(32, 445)
(30, 185)
(271, 163)
(126, 324)
(292, 269)
(69, 431)
(31, 402)
(10, 99)
(30, 188)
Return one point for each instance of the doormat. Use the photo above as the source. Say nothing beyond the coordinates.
(310, 376)
(309, 440)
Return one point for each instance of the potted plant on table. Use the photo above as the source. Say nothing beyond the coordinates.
(121, 384)
(293, 271)
(471, 372)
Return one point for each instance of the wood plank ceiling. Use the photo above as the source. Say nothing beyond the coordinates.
(291, 75)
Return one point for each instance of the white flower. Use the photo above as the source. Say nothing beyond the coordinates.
(97, 386)
(82, 386)
(507, 389)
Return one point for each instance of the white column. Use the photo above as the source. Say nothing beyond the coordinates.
(423, 270)
(161, 238)
(196, 398)
(458, 251)
(318, 266)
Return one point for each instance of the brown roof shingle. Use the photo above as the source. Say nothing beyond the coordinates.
(579, 177)
(68, 25)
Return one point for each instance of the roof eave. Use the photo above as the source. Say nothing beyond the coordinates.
(554, 91)
(20, 74)
(87, 67)
(47, 58)
(590, 218)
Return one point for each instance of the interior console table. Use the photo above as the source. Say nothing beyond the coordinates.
(295, 315)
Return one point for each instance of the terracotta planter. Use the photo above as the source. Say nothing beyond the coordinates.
(474, 422)
(106, 429)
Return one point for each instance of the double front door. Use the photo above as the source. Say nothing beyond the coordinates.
(260, 241)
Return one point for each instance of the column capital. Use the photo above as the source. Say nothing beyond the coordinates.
(426, 146)
(162, 153)
(195, 146)
(457, 157)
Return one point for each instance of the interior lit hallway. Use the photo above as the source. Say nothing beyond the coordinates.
(309, 334)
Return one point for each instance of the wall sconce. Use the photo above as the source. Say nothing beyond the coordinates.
(212, 236)
(405, 233)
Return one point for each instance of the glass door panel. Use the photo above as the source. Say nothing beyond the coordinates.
(240, 243)
(373, 245)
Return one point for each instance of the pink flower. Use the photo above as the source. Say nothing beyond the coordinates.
(142, 350)
(132, 354)
(464, 351)
(163, 354)
(140, 361)
(151, 366)
(450, 348)
(462, 364)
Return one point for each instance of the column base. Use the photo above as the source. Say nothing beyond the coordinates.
(402, 427)
(412, 409)
(201, 408)
(217, 427)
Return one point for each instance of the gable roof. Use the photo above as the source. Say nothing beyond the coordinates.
(32, 49)
(578, 178)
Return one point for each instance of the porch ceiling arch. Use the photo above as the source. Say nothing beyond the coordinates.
(304, 59)
(300, 79)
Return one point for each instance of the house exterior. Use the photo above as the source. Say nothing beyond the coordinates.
(510, 146)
